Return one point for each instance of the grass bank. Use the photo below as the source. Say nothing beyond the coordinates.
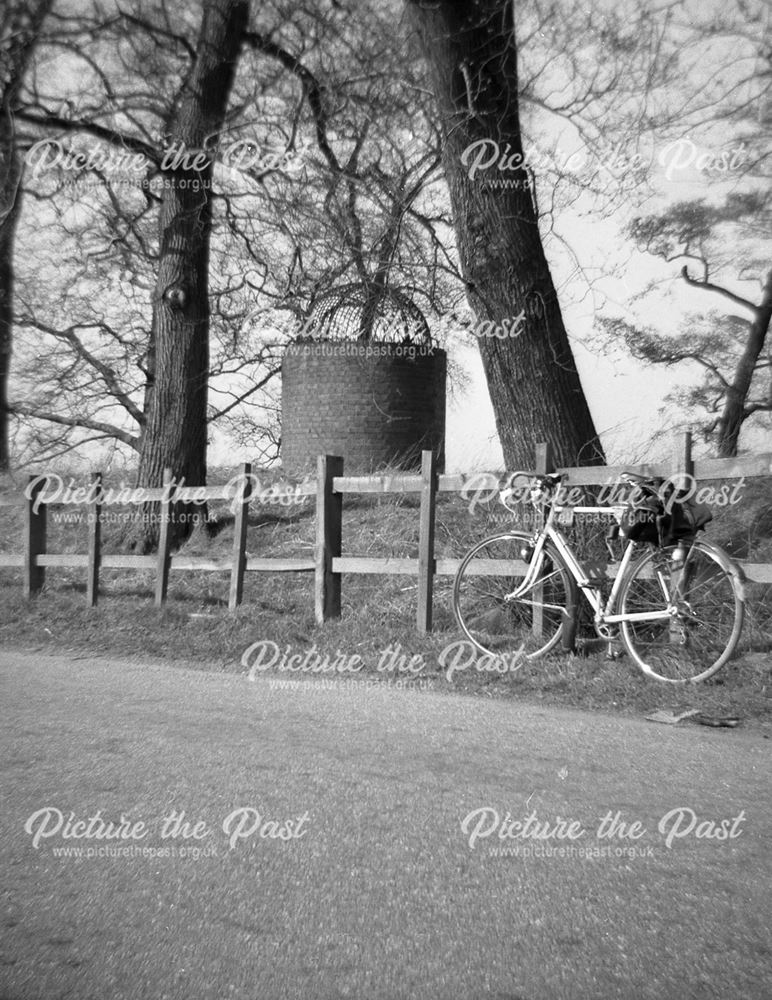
(377, 623)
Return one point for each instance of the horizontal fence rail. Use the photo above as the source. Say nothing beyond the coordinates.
(328, 564)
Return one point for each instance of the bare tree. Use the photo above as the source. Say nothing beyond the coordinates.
(175, 431)
(533, 381)
(19, 29)
(168, 402)
(717, 123)
(730, 349)
(368, 154)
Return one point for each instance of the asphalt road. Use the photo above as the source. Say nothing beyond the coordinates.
(327, 848)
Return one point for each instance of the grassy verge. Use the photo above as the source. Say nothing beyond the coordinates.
(195, 627)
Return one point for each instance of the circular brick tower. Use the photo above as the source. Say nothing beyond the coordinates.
(363, 380)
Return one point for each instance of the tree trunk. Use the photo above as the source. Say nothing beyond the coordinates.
(532, 378)
(9, 214)
(19, 28)
(175, 434)
(734, 412)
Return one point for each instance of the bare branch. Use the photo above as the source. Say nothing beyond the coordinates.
(710, 287)
(311, 87)
(118, 139)
(108, 374)
(109, 430)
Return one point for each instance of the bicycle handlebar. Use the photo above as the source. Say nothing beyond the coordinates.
(540, 486)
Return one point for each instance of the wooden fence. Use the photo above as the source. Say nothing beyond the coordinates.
(328, 564)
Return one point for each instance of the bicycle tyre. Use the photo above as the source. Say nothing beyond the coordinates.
(500, 627)
(702, 633)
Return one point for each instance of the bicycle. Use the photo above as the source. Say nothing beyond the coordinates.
(678, 603)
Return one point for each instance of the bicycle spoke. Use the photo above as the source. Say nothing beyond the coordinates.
(704, 624)
(495, 620)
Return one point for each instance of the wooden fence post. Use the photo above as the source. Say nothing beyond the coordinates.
(544, 460)
(544, 465)
(35, 521)
(426, 563)
(94, 541)
(164, 542)
(682, 477)
(240, 540)
(329, 534)
(683, 466)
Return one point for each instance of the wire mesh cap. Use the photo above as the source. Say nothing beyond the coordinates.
(361, 312)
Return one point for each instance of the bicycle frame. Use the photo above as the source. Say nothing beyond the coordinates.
(674, 601)
(603, 613)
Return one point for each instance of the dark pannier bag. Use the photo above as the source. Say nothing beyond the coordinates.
(639, 521)
(663, 522)
(686, 517)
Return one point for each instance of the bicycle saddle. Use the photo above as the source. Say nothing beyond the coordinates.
(651, 483)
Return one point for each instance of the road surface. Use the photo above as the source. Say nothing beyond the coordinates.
(175, 833)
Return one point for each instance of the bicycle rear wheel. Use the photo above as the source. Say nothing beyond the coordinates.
(491, 618)
(704, 594)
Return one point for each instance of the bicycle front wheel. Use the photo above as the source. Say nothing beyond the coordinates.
(702, 591)
(491, 616)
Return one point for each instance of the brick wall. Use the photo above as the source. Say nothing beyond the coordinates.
(373, 404)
